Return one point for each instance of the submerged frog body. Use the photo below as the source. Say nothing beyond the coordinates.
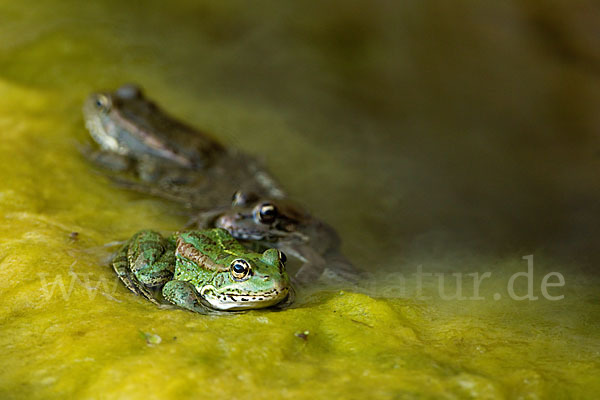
(125, 123)
(169, 158)
(287, 227)
(205, 271)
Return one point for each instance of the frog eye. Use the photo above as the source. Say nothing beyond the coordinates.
(238, 198)
(103, 102)
(241, 198)
(282, 260)
(240, 269)
(282, 257)
(266, 213)
(275, 258)
(129, 91)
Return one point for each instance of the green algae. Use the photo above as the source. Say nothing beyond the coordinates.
(69, 329)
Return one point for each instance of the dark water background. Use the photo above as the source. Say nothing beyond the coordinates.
(427, 126)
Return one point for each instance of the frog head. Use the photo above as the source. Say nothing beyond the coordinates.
(128, 123)
(230, 277)
(103, 118)
(253, 218)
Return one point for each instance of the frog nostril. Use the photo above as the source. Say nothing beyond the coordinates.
(266, 278)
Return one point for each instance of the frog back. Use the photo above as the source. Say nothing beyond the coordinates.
(216, 247)
(164, 136)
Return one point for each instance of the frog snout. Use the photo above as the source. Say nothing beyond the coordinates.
(224, 221)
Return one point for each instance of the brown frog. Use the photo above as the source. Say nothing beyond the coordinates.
(162, 156)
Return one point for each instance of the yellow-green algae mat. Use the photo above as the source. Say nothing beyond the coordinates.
(70, 330)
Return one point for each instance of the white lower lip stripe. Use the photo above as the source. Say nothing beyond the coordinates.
(208, 292)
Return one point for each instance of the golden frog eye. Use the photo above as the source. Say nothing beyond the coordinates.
(103, 102)
(266, 213)
(240, 269)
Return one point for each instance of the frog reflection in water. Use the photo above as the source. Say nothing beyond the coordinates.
(205, 271)
(168, 159)
(287, 227)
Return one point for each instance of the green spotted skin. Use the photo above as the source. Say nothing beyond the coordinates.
(145, 263)
(203, 271)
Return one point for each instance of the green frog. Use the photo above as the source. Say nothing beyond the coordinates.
(152, 152)
(205, 271)
(286, 226)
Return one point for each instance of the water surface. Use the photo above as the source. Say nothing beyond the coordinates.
(455, 138)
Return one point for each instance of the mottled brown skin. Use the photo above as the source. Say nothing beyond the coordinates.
(151, 152)
(127, 123)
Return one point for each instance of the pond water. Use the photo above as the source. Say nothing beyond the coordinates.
(442, 141)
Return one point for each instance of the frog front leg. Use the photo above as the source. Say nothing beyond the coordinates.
(121, 266)
(313, 263)
(206, 218)
(106, 159)
(340, 269)
(333, 265)
(148, 168)
(183, 294)
(145, 263)
(162, 172)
